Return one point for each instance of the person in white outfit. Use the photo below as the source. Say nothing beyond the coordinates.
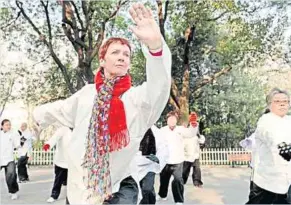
(9, 141)
(27, 134)
(24, 153)
(174, 135)
(61, 140)
(249, 144)
(192, 154)
(110, 117)
(148, 161)
(272, 174)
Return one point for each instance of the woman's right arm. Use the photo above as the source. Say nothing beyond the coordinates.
(62, 112)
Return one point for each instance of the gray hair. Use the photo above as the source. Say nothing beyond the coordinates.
(274, 92)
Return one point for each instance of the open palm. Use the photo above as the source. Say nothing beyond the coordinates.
(146, 29)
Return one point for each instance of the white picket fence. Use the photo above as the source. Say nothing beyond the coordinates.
(220, 156)
(209, 156)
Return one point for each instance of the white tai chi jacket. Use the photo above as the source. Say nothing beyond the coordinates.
(143, 106)
(61, 140)
(271, 171)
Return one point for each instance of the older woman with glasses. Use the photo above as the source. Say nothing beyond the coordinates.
(272, 174)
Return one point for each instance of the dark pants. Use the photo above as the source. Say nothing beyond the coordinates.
(61, 175)
(67, 200)
(289, 195)
(148, 189)
(127, 193)
(196, 175)
(252, 193)
(177, 184)
(22, 169)
(262, 196)
(11, 177)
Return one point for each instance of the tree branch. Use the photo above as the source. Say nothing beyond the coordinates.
(185, 89)
(7, 96)
(10, 23)
(175, 93)
(166, 10)
(218, 17)
(88, 16)
(78, 15)
(53, 54)
(161, 19)
(48, 21)
(68, 33)
(209, 79)
(173, 103)
(113, 14)
(102, 31)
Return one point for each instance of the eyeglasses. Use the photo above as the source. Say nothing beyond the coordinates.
(281, 102)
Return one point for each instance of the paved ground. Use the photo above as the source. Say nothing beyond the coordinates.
(222, 185)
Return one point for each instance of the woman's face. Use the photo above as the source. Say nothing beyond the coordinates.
(116, 61)
(6, 126)
(172, 121)
(280, 104)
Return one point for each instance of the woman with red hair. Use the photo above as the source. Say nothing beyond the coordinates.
(110, 117)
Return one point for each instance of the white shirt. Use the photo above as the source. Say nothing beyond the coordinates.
(271, 171)
(61, 139)
(143, 106)
(140, 165)
(8, 141)
(24, 150)
(29, 137)
(192, 146)
(175, 140)
(249, 144)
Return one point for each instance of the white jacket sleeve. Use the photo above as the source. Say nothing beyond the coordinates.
(62, 112)
(151, 97)
(188, 132)
(248, 142)
(55, 138)
(261, 133)
(16, 140)
(162, 148)
(201, 140)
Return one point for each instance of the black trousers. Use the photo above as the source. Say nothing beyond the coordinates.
(11, 177)
(196, 175)
(61, 175)
(262, 196)
(177, 184)
(22, 169)
(289, 195)
(148, 189)
(127, 193)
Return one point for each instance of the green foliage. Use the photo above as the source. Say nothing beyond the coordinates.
(229, 108)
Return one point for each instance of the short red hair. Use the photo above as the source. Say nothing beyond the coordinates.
(104, 47)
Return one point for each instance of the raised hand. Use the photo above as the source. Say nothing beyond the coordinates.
(193, 119)
(146, 29)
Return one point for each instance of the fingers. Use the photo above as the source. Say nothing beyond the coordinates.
(134, 15)
(149, 13)
(138, 10)
(139, 13)
(144, 11)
